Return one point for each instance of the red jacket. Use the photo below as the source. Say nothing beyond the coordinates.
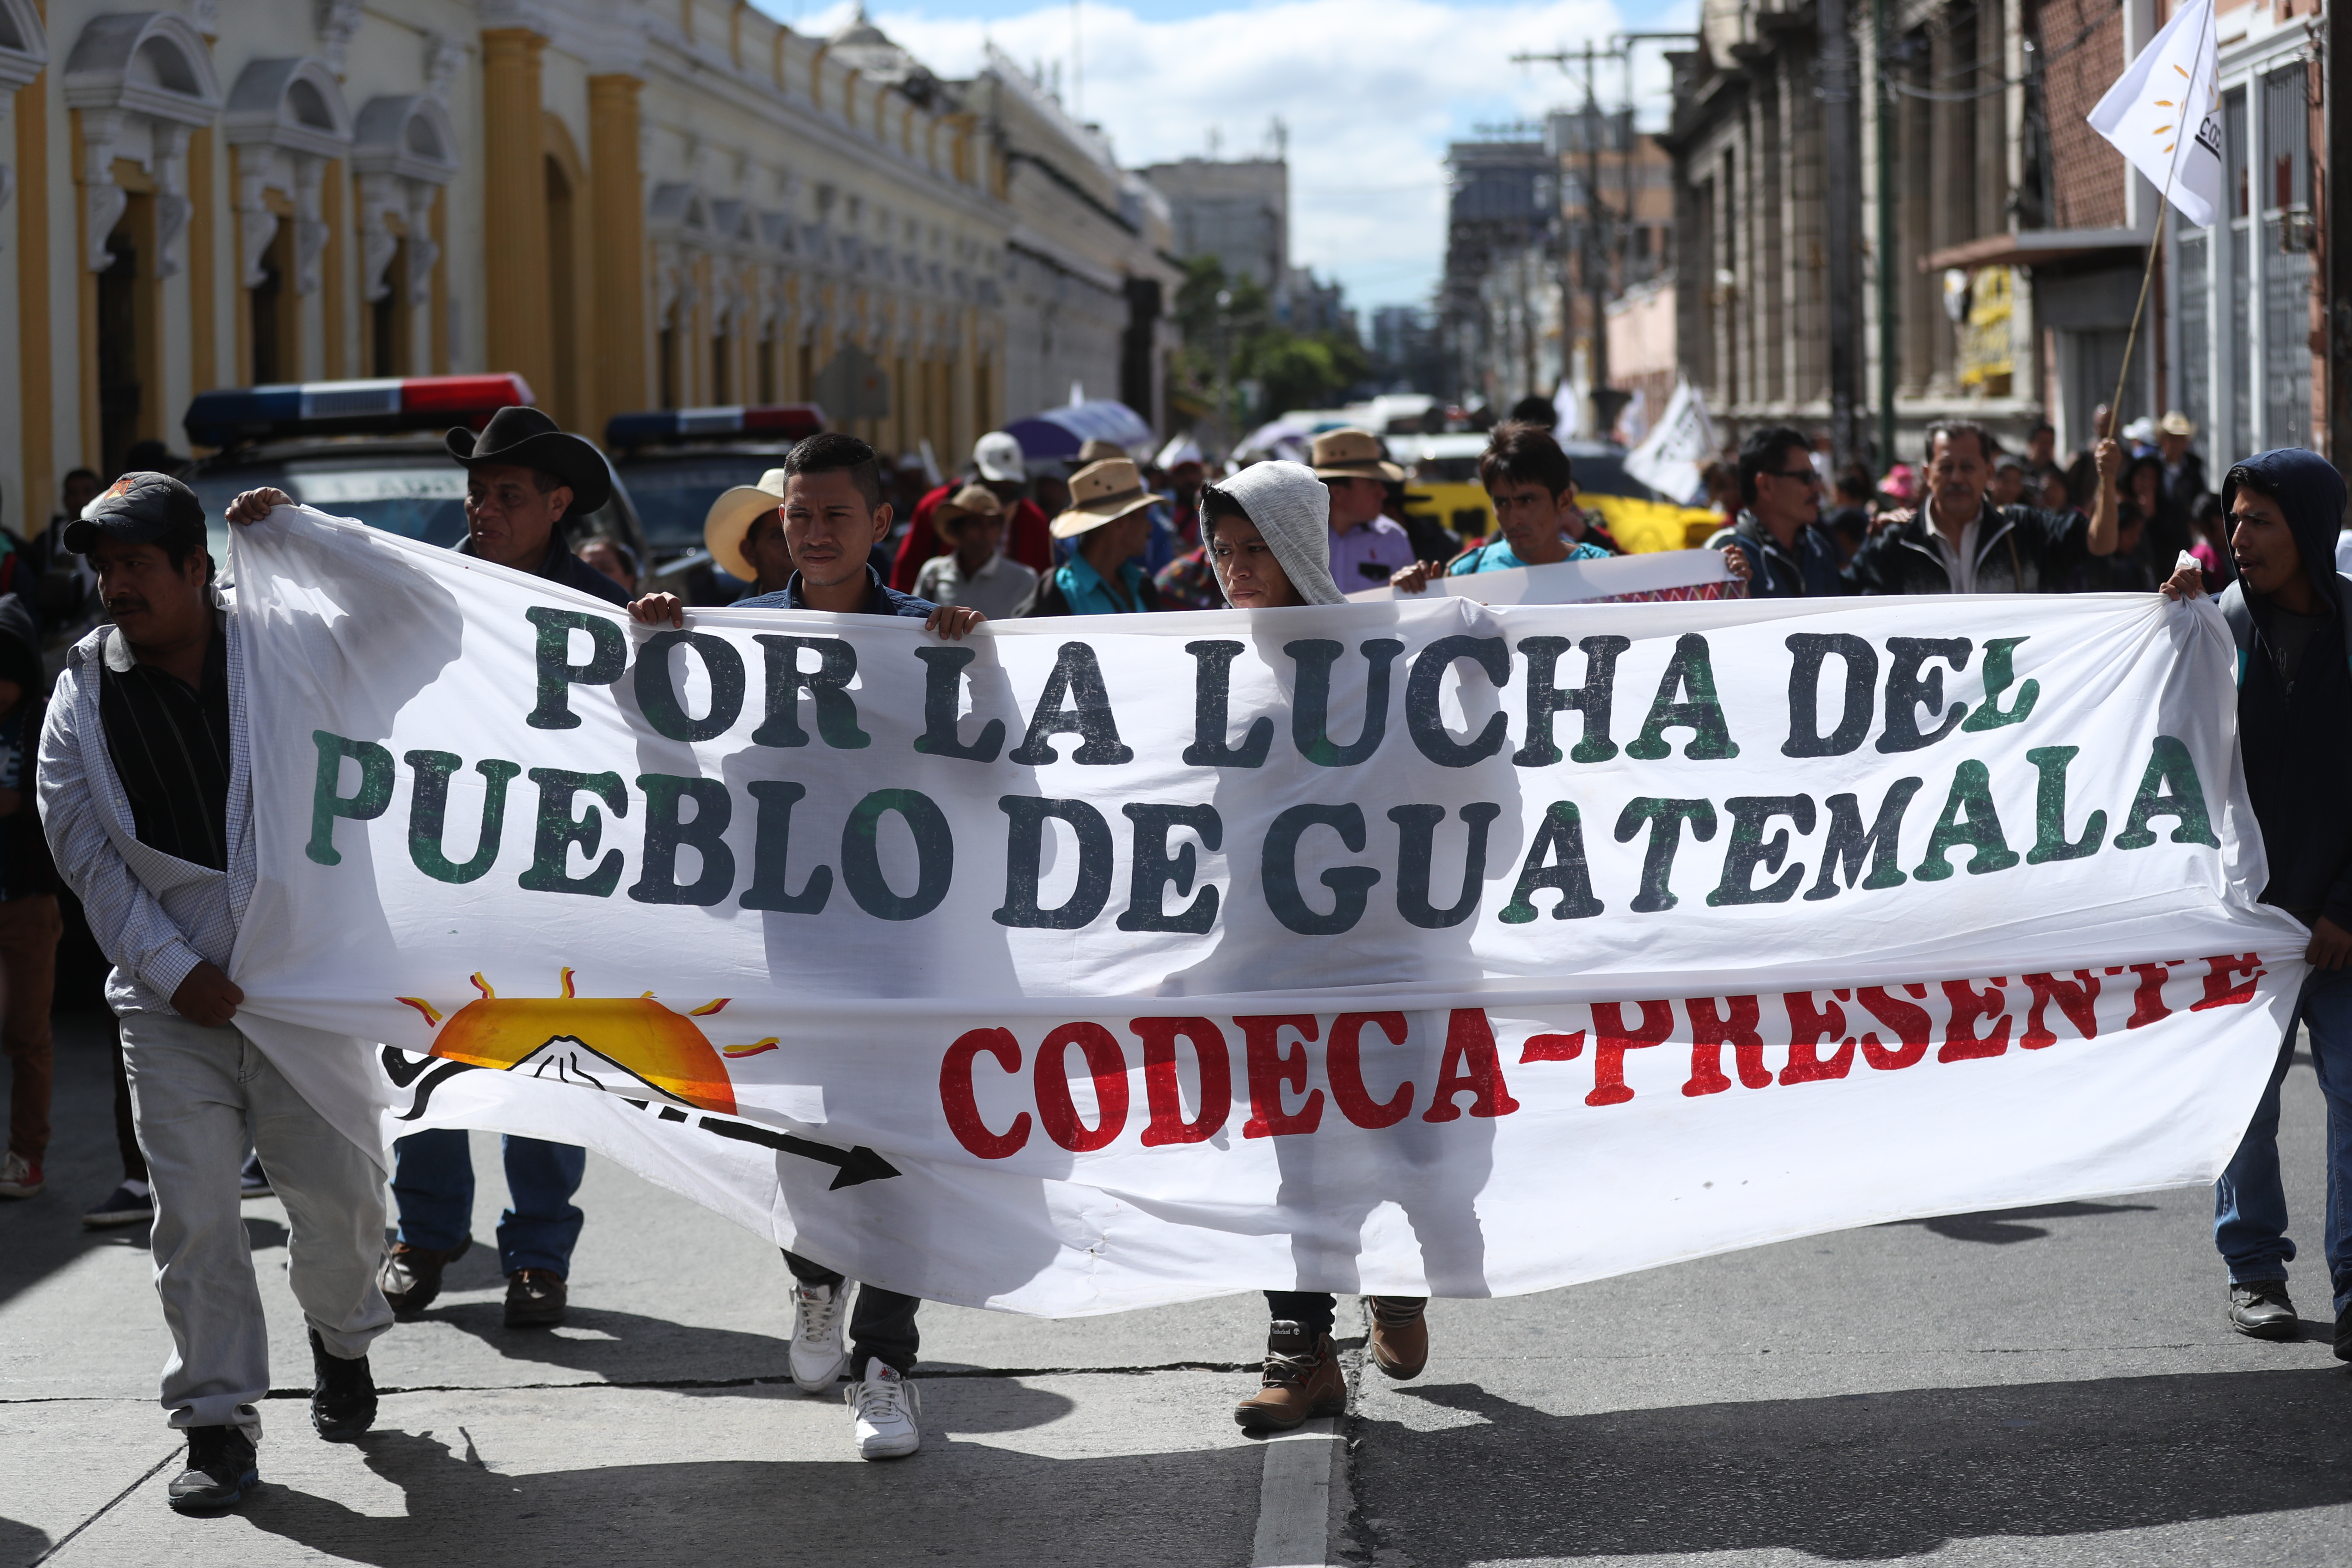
(1025, 540)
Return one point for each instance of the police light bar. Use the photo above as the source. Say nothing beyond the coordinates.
(228, 415)
(786, 421)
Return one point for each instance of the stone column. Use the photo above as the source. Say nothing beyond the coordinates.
(514, 209)
(617, 191)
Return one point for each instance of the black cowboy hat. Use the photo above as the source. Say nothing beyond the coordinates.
(524, 438)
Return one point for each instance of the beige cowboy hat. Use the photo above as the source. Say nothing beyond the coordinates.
(1352, 455)
(1102, 492)
(973, 501)
(2176, 422)
(728, 525)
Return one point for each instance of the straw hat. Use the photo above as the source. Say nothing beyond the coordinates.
(1098, 451)
(1099, 494)
(2176, 422)
(973, 501)
(1352, 455)
(728, 525)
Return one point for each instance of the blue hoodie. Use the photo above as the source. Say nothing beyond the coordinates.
(2297, 742)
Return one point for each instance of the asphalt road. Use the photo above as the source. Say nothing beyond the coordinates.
(2052, 1386)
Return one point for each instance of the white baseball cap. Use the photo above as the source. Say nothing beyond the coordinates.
(997, 455)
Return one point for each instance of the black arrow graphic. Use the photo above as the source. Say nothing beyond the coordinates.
(855, 1165)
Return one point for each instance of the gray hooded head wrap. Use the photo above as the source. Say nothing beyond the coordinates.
(1293, 510)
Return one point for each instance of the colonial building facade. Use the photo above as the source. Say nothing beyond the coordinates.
(633, 204)
(1999, 243)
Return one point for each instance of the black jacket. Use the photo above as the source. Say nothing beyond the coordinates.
(561, 566)
(29, 868)
(2019, 549)
(2297, 740)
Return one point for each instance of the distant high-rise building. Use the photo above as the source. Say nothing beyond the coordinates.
(1238, 212)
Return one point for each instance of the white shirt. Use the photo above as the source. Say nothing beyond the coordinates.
(996, 590)
(1961, 566)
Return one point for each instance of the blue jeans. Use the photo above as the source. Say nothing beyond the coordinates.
(2250, 1202)
(433, 1184)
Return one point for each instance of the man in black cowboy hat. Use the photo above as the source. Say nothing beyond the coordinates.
(525, 480)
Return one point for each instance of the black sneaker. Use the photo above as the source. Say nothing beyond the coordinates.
(411, 1275)
(342, 1400)
(2344, 1334)
(220, 1468)
(121, 1206)
(253, 1182)
(535, 1298)
(2258, 1309)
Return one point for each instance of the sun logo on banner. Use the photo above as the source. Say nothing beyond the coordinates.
(631, 1046)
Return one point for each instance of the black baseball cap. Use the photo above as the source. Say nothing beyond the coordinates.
(140, 507)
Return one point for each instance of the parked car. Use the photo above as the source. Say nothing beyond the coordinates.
(678, 460)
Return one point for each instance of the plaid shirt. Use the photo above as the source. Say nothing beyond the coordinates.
(154, 915)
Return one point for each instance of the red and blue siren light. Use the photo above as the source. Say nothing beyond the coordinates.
(777, 421)
(228, 415)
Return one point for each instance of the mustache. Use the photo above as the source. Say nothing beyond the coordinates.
(123, 602)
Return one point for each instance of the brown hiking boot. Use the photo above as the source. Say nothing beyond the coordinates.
(536, 1299)
(1400, 1335)
(411, 1275)
(1303, 1379)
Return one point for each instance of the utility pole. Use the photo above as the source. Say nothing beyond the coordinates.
(1607, 400)
(1841, 220)
(1882, 38)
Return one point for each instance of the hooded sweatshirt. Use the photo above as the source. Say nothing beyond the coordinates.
(2297, 736)
(1293, 511)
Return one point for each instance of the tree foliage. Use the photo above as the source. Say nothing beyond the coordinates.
(1289, 369)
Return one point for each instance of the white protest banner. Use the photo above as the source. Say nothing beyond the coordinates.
(1659, 576)
(1414, 947)
(2163, 113)
(1668, 460)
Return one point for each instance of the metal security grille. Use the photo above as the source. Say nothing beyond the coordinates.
(2239, 282)
(2196, 335)
(2286, 273)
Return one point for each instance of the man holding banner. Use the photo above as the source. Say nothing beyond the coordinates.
(145, 787)
(834, 514)
(2288, 611)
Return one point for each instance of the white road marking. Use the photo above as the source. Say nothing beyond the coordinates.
(1294, 1498)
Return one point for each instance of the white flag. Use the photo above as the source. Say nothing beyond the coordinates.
(1683, 438)
(2162, 113)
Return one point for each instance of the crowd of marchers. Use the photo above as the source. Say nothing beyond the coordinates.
(124, 778)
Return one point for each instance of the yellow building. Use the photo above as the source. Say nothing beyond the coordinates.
(632, 203)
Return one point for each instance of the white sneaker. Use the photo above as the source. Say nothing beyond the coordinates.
(20, 1177)
(818, 1356)
(884, 1406)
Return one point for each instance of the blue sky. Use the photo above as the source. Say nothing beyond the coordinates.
(1372, 91)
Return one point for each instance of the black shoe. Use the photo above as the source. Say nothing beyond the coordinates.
(411, 1275)
(2260, 1310)
(220, 1468)
(535, 1298)
(2344, 1334)
(342, 1400)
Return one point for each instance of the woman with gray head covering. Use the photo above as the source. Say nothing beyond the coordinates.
(1268, 532)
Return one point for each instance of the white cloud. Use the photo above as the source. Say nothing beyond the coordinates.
(1372, 91)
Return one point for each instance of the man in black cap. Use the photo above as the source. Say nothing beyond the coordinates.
(525, 481)
(147, 802)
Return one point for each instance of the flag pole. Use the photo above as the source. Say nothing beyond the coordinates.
(2155, 248)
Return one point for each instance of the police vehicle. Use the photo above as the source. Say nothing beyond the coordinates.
(367, 449)
(678, 460)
